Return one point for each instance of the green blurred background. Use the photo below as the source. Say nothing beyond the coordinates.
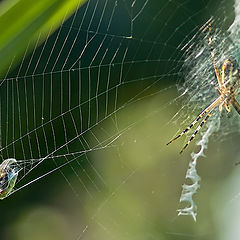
(130, 189)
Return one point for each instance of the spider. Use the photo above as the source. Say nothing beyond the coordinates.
(228, 83)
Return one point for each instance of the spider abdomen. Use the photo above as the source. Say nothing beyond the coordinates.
(230, 74)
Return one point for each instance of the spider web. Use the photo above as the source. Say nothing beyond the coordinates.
(95, 103)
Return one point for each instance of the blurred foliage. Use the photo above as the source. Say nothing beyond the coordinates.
(22, 22)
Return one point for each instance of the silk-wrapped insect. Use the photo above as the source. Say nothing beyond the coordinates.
(9, 170)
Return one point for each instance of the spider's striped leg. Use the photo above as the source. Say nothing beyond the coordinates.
(236, 105)
(190, 126)
(196, 131)
(213, 57)
(234, 101)
(208, 26)
(206, 110)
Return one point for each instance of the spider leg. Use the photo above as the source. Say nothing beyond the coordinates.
(208, 26)
(196, 131)
(206, 110)
(233, 100)
(189, 127)
(236, 105)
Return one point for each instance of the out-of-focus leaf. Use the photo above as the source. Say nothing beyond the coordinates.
(22, 21)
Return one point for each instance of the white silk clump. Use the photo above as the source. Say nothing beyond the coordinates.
(190, 189)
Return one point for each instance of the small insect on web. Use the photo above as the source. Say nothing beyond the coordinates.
(9, 170)
(228, 84)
